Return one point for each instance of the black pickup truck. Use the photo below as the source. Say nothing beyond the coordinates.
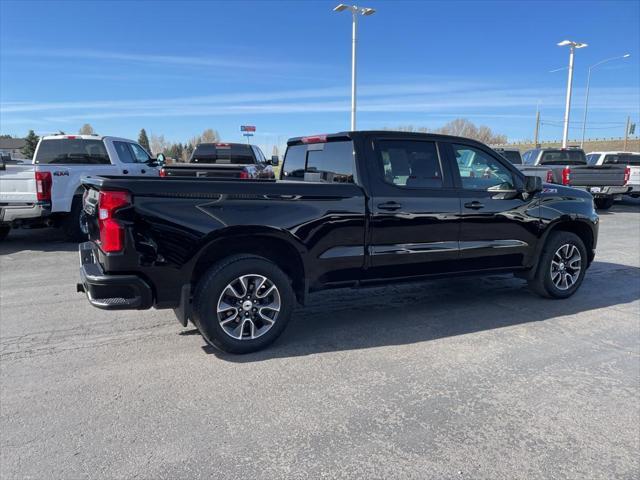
(224, 160)
(350, 209)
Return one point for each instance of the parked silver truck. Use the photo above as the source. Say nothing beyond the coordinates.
(569, 166)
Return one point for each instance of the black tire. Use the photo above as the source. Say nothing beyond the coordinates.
(542, 283)
(71, 224)
(4, 231)
(209, 292)
(603, 203)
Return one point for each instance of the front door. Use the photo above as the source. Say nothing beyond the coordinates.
(499, 222)
(414, 211)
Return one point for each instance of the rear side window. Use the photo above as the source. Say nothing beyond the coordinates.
(223, 153)
(124, 153)
(622, 159)
(409, 163)
(320, 162)
(529, 157)
(563, 157)
(72, 151)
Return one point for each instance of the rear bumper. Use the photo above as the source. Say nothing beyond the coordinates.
(111, 292)
(15, 213)
(604, 191)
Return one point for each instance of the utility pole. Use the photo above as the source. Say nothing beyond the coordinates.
(537, 132)
(626, 133)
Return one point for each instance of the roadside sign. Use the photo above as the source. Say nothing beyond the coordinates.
(247, 128)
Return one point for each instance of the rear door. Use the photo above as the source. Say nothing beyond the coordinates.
(498, 225)
(414, 227)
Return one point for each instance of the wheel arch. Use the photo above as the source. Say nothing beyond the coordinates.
(271, 244)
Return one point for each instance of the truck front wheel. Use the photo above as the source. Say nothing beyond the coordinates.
(603, 203)
(243, 303)
(561, 266)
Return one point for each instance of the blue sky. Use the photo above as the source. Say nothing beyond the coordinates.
(176, 68)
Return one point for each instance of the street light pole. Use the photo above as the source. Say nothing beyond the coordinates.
(354, 41)
(567, 108)
(586, 100)
(355, 11)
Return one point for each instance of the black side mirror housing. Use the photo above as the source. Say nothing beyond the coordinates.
(275, 160)
(159, 161)
(532, 184)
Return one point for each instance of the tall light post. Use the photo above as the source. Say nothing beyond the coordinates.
(355, 11)
(586, 100)
(572, 47)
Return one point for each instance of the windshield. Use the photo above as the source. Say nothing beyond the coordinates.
(223, 153)
(563, 157)
(71, 151)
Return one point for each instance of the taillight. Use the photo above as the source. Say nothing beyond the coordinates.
(43, 186)
(244, 174)
(163, 172)
(111, 232)
(566, 176)
(627, 174)
(549, 176)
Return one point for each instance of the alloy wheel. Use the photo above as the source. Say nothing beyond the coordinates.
(565, 266)
(248, 307)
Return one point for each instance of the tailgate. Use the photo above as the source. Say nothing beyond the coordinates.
(598, 176)
(634, 178)
(18, 185)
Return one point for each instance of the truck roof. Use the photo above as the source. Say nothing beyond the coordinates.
(346, 135)
(64, 136)
(612, 153)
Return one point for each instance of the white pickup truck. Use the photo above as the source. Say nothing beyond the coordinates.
(48, 191)
(630, 159)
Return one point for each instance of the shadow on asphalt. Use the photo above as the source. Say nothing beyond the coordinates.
(37, 240)
(411, 313)
(626, 205)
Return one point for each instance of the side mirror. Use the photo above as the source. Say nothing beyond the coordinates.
(160, 159)
(532, 184)
(275, 160)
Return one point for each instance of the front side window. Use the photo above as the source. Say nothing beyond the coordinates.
(72, 151)
(480, 171)
(320, 162)
(529, 157)
(411, 163)
(139, 153)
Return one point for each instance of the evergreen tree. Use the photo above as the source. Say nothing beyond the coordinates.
(32, 142)
(143, 140)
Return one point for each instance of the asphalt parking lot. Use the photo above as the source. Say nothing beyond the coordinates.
(454, 379)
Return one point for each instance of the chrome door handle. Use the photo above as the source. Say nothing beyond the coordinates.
(390, 206)
(474, 205)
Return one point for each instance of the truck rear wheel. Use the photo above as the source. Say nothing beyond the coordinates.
(4, 231)
(72, 224)
(604, 203)
(243, 303)
(561, 267)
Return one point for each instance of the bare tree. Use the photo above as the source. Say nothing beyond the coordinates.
(210, 136)
(158, 144)
(86, 130)
(462, 127)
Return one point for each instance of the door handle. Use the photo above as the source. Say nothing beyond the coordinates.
(125, 171)
(143, 171)
(390, 206)
(475, 205)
